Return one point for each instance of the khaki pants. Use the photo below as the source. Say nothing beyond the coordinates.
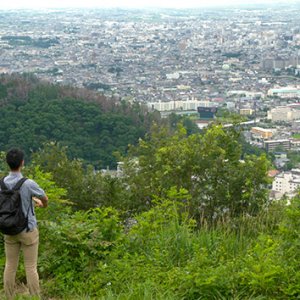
(28, 242)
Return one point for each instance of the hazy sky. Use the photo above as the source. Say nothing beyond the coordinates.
(4, 4)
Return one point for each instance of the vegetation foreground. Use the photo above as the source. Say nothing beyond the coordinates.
(92, 255)
(187, 220)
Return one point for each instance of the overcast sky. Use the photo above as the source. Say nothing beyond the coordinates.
(4, 4)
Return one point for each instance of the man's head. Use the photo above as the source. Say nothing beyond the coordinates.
(15, 158)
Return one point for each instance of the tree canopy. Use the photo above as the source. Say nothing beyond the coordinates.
(92, 126)
(208, 166)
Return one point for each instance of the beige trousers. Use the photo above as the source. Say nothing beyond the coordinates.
(28, 242)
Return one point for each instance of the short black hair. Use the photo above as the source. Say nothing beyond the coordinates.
(14, 158)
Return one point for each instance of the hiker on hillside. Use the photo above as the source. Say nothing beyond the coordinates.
(27, 238)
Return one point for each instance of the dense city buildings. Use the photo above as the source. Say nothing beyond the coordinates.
(243, 60)
(158, 55)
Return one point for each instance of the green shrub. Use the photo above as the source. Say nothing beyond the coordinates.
(73, 247)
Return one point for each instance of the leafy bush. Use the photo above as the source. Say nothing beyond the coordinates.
(208, 166)
(73, 246)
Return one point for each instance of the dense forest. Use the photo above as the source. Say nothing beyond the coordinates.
(92, 126)
(186, 219)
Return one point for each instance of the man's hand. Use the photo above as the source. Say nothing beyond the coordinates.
(38, 202)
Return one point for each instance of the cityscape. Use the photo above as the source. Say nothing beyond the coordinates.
(166, 137)
(244, 60)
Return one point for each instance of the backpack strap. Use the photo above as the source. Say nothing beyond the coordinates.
(16, 188)
(2, 184)
(19, 184)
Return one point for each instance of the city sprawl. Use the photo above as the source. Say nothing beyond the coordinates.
(242, 60)
(156, 55)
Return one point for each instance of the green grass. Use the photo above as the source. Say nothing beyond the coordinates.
(296, 136)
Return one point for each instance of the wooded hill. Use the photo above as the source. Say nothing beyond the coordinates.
(92, 126)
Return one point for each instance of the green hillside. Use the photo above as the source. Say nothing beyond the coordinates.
(92, 126)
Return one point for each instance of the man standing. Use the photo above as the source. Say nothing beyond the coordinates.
(28, 239)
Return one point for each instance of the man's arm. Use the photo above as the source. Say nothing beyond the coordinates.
(38, 195)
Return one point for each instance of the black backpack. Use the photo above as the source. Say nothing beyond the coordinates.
(12, 218)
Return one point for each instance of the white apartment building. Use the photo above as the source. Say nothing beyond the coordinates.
(192, 104)
(286, 183)
(285, 92)
(283, 113)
